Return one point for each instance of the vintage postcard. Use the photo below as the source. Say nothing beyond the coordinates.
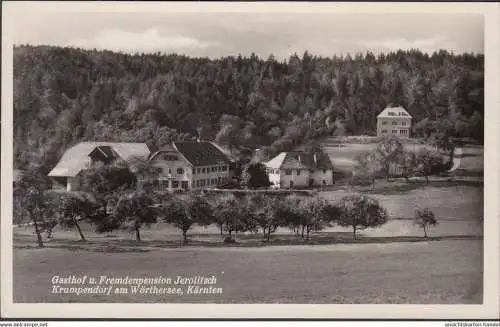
(250, 160)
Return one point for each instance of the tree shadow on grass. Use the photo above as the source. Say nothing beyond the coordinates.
(249, 241)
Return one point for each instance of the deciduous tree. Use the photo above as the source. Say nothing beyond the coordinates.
(360, 212)
(424, 218)
(32, 203)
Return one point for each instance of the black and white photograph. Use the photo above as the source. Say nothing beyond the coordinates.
(246, 157)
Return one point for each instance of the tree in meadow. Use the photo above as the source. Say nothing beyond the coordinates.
(185, 210)
(314, 214)
(74, 207)
(31, 202)
(229, 214)
(408, 163)
(366, 168)
(388, 151)
(429, 162)
(291, 213)
(424, 218)
(361, 212)
(134, 210)
(263, 209)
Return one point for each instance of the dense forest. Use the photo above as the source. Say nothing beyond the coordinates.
(67, 95)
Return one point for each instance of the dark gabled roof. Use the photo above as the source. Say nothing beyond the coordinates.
(104, 152)
(201, 153)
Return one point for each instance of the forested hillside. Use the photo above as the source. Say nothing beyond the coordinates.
(66, 95)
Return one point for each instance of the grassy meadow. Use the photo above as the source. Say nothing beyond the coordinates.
(389, 264)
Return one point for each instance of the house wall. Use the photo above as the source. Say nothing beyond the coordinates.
(210, 176)
(319, 176)
(73, 184)
(59, 183)
(169, 177)
(274, 177)
(299, 181)
(399, 126)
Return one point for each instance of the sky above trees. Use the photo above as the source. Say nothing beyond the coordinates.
(217, 34)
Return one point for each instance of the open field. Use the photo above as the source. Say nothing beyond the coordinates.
(427, 272)
(343, 152)
(396, 266)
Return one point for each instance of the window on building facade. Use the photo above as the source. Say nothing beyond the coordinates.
(165, 184)
(394, 131)
(185, 185)
(169, 157)
(180, 171)
(288, 172)
(384, 131)
(403, 123)
(394, 122)
(298, 172)
(324, 182)
(175, 184)
(324, 171)
(169, 171)
(202, 170)
(224, 168)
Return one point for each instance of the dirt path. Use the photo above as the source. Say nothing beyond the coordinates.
(457, 156)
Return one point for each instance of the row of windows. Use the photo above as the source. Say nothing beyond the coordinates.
(210, 181)
(169, 157)
(166, 184)
(206, 170)
(290, 171)
(403, 123)
(395, 131)
(401, 113)
(180, 171)
(158, 170)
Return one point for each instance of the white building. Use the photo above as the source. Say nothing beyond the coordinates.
(190, 165)
(394, 121)
(298, 169)
(84, 155)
